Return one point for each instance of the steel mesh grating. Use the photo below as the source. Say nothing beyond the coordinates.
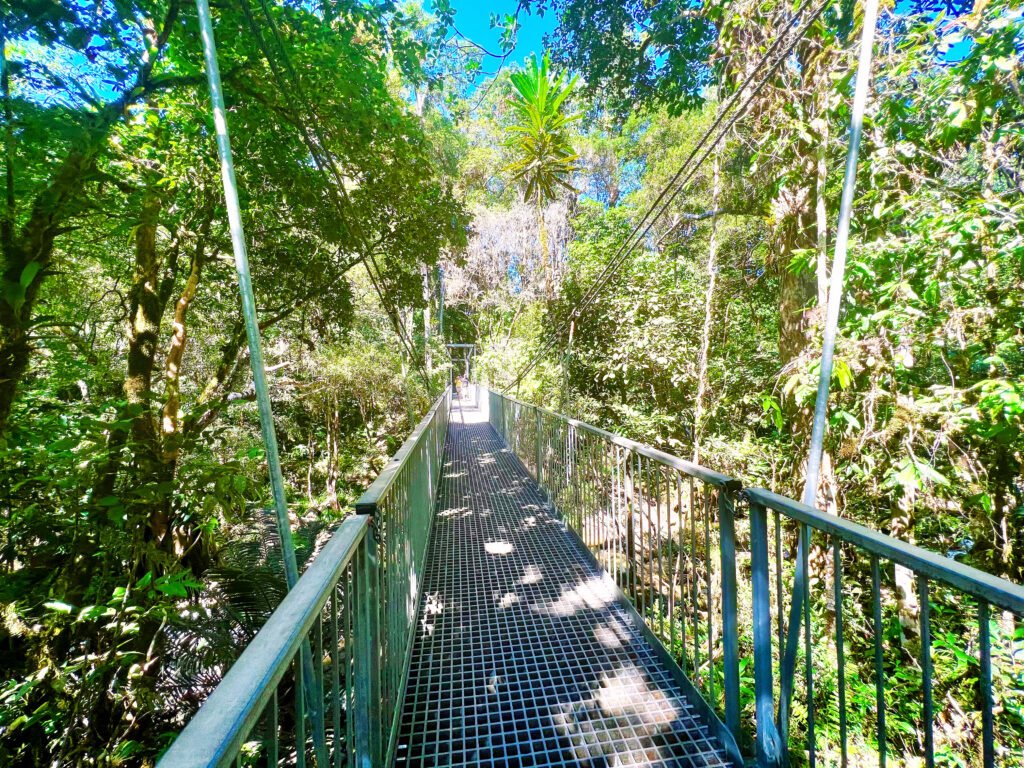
(521, 656)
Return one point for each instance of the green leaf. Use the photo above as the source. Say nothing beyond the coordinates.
(28, 274)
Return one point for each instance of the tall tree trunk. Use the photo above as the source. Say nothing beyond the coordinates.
(143, 331)
(705, 347)
(7, 222)
(27, 255)
(24, 266)
(428, 357)
(170, 424)
(545, 256)
(796, 292)
(333, 430)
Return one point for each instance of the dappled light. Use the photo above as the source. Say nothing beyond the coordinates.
(597, 592)
(523, 384)
(524, 652)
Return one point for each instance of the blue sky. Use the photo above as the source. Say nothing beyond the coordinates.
(473, 18)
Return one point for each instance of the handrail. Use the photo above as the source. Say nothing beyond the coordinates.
(662, 540)
(216, 732)
(368, 572)
(367, 503)
(702, 473)
(921, 567)
(612, 493)
(984, 586)
(401, 503)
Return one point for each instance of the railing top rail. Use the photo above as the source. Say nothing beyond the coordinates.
(984, 586)
(367, 503)
(709, 476)
(216, 732)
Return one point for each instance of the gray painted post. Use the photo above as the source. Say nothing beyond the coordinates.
(730, 630)
(768, 748)
(536, 411)
(367, 658)
(252, 332)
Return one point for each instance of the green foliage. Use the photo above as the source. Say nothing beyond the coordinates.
(130, 460)
(544, 156)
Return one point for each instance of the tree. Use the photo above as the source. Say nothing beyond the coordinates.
(545, 158)
(129, 449)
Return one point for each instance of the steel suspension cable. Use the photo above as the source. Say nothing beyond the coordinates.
(835, 299)
(313, 697)
(671, 190)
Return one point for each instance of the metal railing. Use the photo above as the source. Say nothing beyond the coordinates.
(662, 527)
(401, 502)
(361, 591)
(925, 622)
(714, 585)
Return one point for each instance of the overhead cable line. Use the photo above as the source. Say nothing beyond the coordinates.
(671, 190)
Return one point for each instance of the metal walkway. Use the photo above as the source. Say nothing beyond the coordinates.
(522, 657)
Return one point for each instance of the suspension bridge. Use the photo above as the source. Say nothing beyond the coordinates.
(518, 588)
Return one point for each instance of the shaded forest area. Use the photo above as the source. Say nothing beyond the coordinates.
(402, 189)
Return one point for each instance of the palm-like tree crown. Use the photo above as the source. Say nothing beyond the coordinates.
(545, 158)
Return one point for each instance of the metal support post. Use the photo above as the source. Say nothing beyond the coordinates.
(730, 629)
(835, 299)
(259, 375)
(769, 749)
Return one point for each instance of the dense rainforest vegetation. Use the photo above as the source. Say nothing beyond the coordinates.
(403, 187)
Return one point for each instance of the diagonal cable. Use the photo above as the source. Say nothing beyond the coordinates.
(671, 190)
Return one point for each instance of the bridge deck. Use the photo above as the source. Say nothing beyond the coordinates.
(522, 657)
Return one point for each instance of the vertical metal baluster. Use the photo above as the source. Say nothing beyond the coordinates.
(876, 590)
(645, 501)
(769, 750)
(926, 671)
(630, 502)
(616, 482)
(812, 744)
(650, 515)
(348, 612)
(662, 608)
(669, 541)
(300, 714)
(616, 486)
(335, 678)
(730, 609)
(837, 582)
(988, 749)
(681, 533)
(539, 448)
(355, 591)
(778, 578)
(707, 583)
(320, 724)
(596, 503)
(693, 583)
(638, 495)
(270, 726)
